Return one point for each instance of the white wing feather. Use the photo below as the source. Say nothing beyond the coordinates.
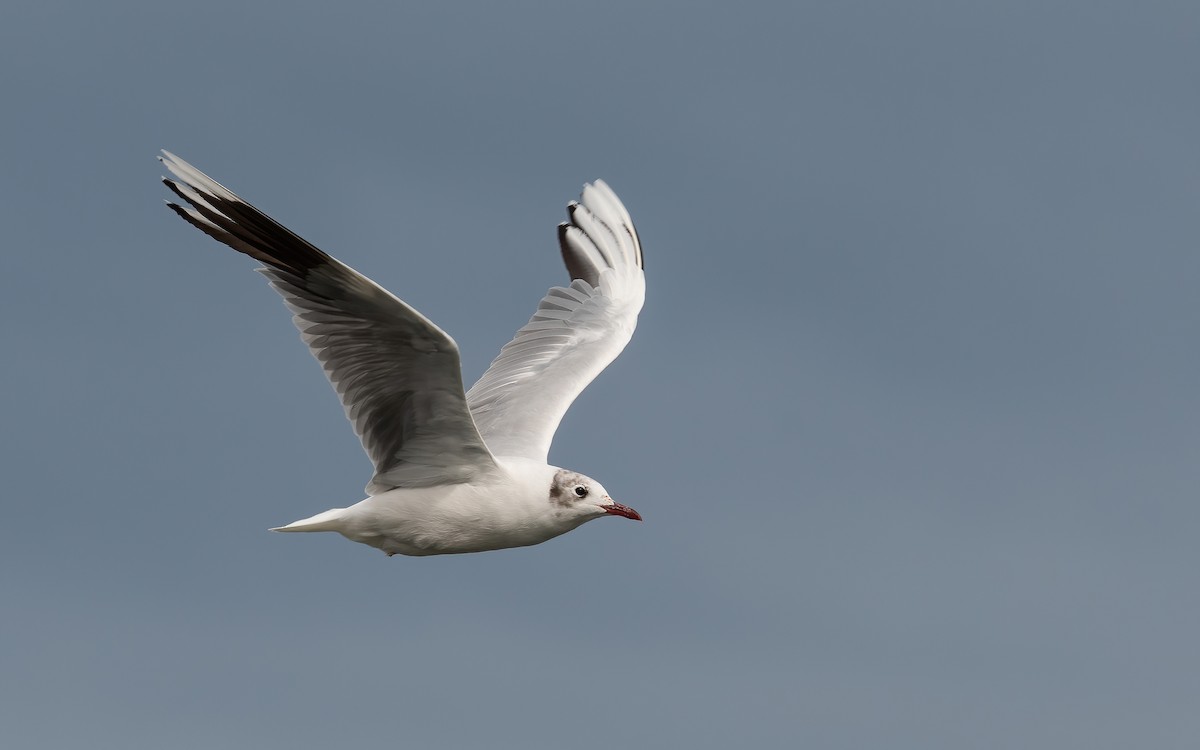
(575, 333)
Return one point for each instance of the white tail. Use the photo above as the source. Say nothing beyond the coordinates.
(330, 520)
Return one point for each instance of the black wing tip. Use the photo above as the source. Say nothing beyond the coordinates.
(229, 219)
(173, 186)
(574, 206)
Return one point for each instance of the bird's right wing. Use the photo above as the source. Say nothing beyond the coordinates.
(398, 375)
(575, 333)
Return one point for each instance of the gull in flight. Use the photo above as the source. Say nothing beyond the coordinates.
(455, 471)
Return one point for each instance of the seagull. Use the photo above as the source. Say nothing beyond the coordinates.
(455, 471)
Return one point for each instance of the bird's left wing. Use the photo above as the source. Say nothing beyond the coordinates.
(397, 374)
(575, 333)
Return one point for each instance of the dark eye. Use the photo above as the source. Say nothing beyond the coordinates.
(581, 491)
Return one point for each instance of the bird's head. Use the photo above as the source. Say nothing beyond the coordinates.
(575, 494)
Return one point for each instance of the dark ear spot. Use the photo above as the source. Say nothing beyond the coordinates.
(562, 487)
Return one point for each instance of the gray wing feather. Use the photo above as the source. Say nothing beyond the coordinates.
(397, 374)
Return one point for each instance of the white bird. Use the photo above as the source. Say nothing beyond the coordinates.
(454, 471)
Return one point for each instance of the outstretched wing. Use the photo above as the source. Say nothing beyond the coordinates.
(575, 333)
(397, 374)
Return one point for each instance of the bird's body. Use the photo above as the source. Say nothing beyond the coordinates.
(455, 471)
(508, 509)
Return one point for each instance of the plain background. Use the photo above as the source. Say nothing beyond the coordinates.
(911, 413)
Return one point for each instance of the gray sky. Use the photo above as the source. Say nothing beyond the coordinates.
(911, 412)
